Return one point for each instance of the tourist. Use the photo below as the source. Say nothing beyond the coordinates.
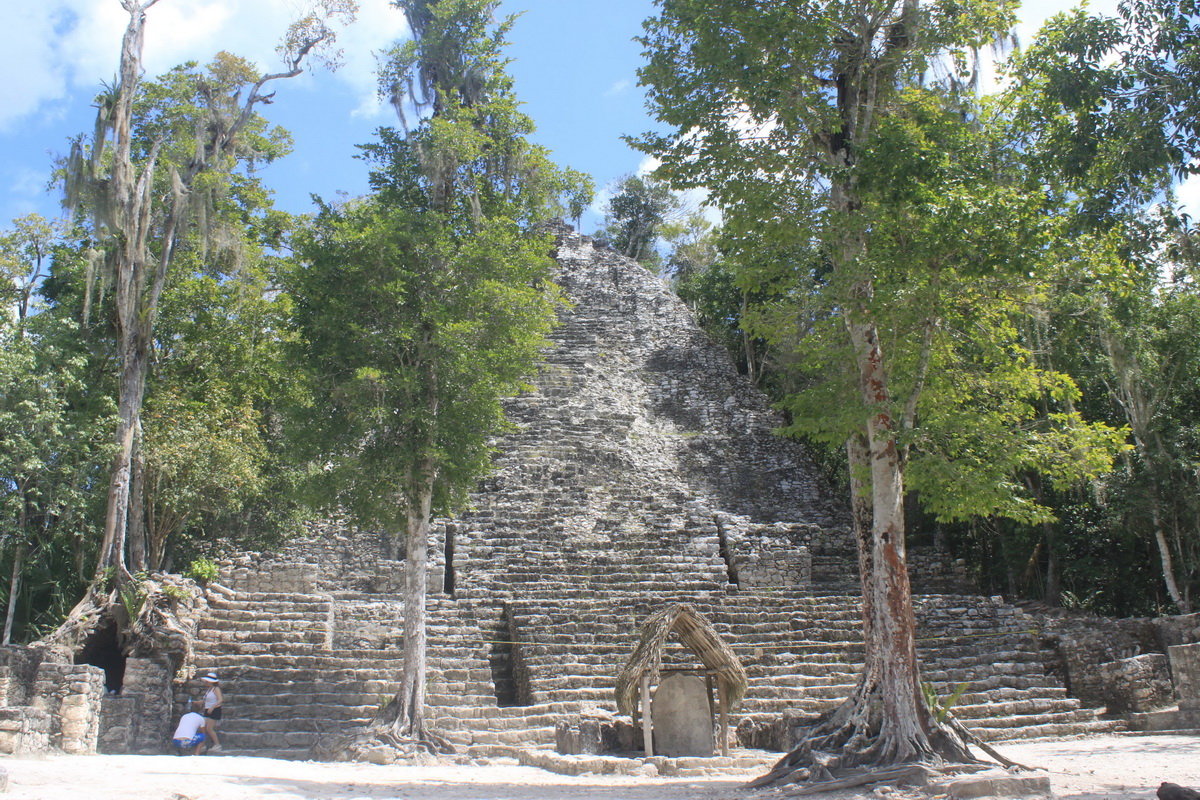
(190, 732)
(213, 701)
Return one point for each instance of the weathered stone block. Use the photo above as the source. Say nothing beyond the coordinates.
(24, 731)
(998, 787)
(682, 717)
(595, 733)
(1141, 683)
(1185, 669)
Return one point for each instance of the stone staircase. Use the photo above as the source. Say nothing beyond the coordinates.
(503, 669)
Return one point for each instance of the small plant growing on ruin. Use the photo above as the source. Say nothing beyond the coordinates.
(203, 571)
(106, 579)
(133, 597)
(939, 706)
(174, 592)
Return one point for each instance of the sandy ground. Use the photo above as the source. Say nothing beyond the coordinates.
(1084, 769)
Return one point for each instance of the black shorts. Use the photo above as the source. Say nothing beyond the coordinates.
(213, 713)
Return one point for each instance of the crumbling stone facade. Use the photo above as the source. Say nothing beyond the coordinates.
(1098, 658)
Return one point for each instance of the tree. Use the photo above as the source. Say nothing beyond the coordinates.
(213, 451)
(50, 444)
(1131, 322)
(634, 217)
(1109, 109)
(144, 176)
(425, 303)
(813, 130)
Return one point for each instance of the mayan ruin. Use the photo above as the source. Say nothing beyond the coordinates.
(622, 491)
(637, 400)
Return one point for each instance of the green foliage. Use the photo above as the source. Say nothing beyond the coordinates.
(1106, 110)
(635, 216)
(56, 427)
(897, 252)
(214, 450)
(1111, 102)
(133, 598)
(174, 593)
(424, 304)
(941, 706)
(106, 579)
(202, 570)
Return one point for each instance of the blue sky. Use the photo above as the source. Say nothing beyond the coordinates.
(574, 61)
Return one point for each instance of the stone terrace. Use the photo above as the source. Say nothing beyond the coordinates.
(643, 471)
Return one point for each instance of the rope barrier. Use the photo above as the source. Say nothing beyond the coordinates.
(783, 647)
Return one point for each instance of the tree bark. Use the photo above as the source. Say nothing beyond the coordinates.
(14, 588)
(133, 386)
(137, 511)
(409, 721)
(905, 724)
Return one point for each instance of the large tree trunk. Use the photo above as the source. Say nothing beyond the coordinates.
(409, 716)
(128, 196)
(133, 384)
(906, 720)
(137, 510)
(14, 588)
(886, 721)
(1165, 558)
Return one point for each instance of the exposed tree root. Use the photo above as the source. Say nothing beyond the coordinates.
(962, 731)
(847, 745)
(153, 615)
(85, 618)
(378, 742)
(912, 773)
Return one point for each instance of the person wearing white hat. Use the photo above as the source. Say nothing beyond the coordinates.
(213, 701)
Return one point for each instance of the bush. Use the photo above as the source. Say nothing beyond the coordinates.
(202, 570)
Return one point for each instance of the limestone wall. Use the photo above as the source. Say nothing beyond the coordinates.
(24, 731)
(71, 694)
(18, 672)
(1140, 683)
(1098, 657)
(1185, 664)
(332, 556)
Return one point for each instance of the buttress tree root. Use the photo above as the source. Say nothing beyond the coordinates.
(152, 615)
(850, 746)
(387, 739)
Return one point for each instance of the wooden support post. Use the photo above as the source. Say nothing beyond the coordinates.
(647, 723)
(723, 699)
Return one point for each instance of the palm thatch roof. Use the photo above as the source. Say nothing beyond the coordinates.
(699, 636)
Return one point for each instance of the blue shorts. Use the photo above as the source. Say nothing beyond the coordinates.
(192, 742)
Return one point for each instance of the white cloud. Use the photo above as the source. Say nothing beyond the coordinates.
(57, 46)
(35, 75)
(378, 26)
(27, 191)
(1187, 195)
(617, 88)
(647, 165)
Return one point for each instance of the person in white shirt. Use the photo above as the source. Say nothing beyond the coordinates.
(214, 702)
(191, 730)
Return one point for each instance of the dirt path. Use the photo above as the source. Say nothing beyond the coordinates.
(1084, 769)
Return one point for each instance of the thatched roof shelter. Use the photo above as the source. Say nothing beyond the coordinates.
(698, 635)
